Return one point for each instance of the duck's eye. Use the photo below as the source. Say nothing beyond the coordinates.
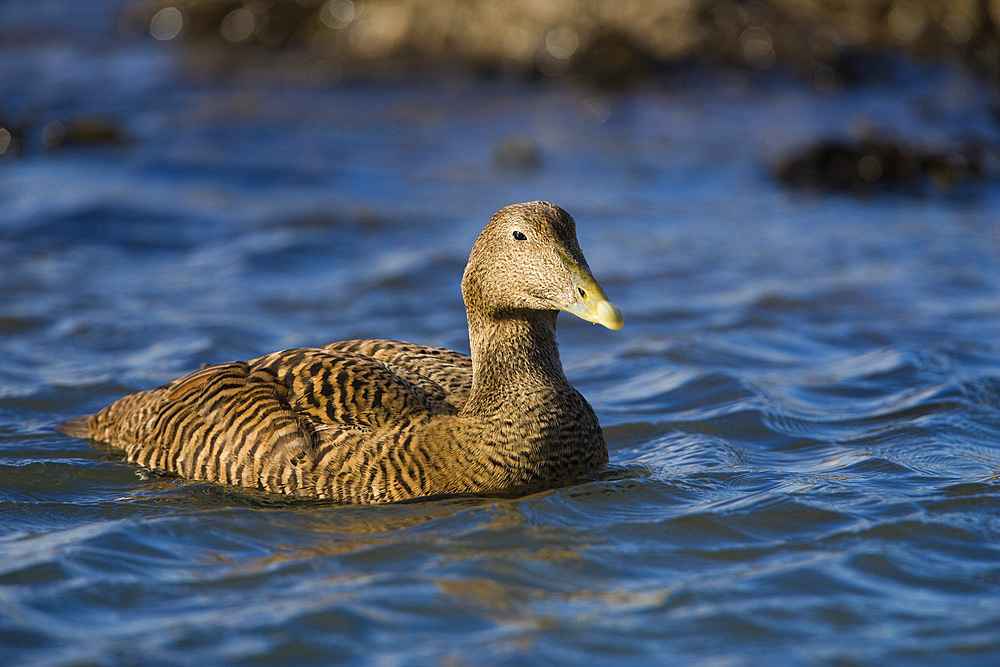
(520, 235)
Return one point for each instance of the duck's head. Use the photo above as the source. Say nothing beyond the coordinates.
(528, 258)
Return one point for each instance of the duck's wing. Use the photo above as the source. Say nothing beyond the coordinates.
(447, 369)
(267, 422)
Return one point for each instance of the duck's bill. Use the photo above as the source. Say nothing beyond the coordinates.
(591, 304)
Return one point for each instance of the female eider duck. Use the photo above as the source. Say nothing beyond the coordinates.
(368, 421)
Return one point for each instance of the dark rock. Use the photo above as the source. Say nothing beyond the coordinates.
(520, 154)
(612, 60)
(874, 164)
(82, 132)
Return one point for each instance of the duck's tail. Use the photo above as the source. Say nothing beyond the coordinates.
(76, 427)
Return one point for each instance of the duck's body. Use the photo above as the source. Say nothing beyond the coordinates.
(375, 421)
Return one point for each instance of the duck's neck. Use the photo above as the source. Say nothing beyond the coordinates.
(513, 358)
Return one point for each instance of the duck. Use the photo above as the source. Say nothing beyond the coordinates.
(376, 421)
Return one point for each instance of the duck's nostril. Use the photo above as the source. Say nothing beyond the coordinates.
(582, 292)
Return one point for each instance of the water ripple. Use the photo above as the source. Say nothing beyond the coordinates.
(801, 411)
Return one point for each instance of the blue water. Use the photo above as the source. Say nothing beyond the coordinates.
(802, 411)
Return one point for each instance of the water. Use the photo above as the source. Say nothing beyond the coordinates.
(803, 410)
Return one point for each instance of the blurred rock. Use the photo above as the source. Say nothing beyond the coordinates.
(25, 136)
(873, 163)
(610, 59)
(82, 131)
(521, 154)
(603, 42)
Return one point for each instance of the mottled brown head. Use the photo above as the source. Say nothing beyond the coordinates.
(528, 258)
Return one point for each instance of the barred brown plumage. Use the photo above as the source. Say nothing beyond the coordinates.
(368, 421)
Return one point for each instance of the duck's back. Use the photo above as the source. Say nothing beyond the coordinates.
(283, 421)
